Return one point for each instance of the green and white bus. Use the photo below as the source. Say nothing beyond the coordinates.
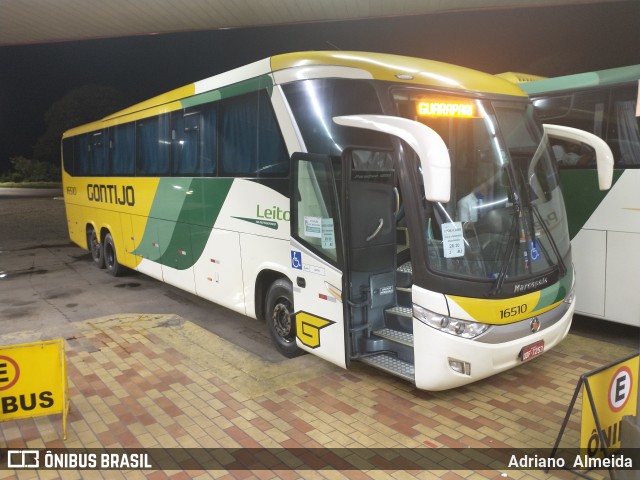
(385, 209)
(604, 226)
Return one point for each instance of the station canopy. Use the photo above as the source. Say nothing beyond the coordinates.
(24, 22)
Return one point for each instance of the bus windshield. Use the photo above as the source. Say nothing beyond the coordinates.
(504, 221)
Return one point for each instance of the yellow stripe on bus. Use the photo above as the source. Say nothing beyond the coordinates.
(502, 311)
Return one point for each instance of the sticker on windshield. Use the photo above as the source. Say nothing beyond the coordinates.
(313, 227)
(328, 234)
(452, 240)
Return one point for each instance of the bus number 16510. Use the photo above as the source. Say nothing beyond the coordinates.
(510, 312)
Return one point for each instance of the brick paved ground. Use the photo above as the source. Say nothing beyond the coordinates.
(158, 381)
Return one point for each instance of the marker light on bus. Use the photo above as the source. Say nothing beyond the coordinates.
(453, 326)
(437, 108)
(569, 299)
(460, 366)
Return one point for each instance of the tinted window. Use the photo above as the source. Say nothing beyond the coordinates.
(314, 104)
(98, 164)
(243, 131)
(209, 137)
(185, 142)
(80, 155)
(153, 144)
(552, 107)
(584, 110)
(623, 134)
(67, 155)
(250, 140)
(122, 150)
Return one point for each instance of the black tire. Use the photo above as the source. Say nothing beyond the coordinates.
(95, 248)
(280, 319)
(110, 258)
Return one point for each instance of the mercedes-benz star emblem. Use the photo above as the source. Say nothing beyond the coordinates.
(535, 325)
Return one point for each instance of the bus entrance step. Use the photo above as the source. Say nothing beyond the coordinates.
(403, 295)
(399, 318)
(405, 338)
(392, 365)
(404, 275)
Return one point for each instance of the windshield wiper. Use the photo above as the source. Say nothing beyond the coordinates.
(502, 275)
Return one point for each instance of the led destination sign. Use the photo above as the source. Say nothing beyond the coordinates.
(438, 108)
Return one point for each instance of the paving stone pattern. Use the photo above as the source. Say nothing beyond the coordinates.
(159, 381)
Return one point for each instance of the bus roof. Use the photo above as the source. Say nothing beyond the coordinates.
(600, 78)
(398, 68)
(519, 77)
(379, 66)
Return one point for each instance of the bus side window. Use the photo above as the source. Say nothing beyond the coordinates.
(549, 108)
(573, 154)
(153, 146)
(81, 155)
(588, 112)
(97, 154)
(67, 155)
(237, 136)
(251, 144)
(585, 111)
(122, 150)
(623, 135)
(209, 139)
(185, 142)
(273, 158)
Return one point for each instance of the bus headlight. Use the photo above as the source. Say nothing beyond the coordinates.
(452, 326)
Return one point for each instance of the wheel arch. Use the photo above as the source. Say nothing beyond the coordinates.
(102, 231)
(264, 280)
(90, 225)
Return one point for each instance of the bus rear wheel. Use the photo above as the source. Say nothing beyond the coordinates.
(95, 247)
(110, 258)
(280, 318)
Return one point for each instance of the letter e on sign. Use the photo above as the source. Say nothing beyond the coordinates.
(9, 372)
(620, 389)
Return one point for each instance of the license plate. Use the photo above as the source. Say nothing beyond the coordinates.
(531, 351)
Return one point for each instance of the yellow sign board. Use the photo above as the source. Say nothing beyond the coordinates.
(614, 391)
(33, 381)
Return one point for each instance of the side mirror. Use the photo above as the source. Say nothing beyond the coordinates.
(604, 157)
(431, 149)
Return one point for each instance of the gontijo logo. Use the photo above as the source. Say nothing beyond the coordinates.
(308, 328)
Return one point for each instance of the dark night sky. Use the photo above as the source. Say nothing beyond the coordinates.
(544, 41)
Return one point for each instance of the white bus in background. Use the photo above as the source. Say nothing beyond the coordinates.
(604, 226)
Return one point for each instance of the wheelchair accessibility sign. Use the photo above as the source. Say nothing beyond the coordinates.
(534, 251)
(296, 260)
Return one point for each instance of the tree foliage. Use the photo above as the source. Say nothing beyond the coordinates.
(82, 105)
(27, 170)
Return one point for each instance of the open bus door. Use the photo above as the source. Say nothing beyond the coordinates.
(343, 260)
(317, 258)
(343, 249)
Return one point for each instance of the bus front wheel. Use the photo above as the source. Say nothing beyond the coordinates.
(110, 258)
(95, 247)
(280, 318)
